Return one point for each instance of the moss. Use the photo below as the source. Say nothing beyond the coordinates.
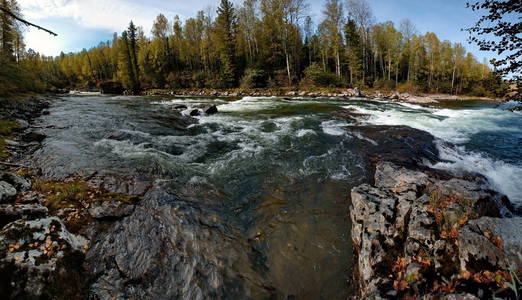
(6, 128)
(75, 193)
(63, 194)
(3, 154)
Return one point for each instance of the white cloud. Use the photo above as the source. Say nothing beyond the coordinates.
(98, 14)
(42, 42)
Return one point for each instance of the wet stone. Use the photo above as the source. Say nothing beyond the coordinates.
(110, 209)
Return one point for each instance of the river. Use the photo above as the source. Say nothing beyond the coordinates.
(274, 175)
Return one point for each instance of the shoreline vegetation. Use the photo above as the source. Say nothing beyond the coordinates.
(269, 44)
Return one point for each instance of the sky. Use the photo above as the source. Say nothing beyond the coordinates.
(85, 23)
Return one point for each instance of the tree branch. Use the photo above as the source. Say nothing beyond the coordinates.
(27, 23)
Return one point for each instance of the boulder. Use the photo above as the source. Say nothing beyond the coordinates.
(7, 191)
(195, 113)
(180, 106)
(40, 259)
(22, 123)
(33, 136)
(211, 110)
(19, 182)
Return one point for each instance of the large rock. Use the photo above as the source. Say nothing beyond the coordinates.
(195, 113)
(409, 217)
(7, 191)
(40, 259)
(168, 248)
(402, 145)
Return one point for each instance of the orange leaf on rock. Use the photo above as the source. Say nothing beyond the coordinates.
(498, 242)
(465, 275)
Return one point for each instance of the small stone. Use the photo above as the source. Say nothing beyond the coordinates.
(7, 191)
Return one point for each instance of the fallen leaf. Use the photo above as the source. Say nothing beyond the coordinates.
(465, 275)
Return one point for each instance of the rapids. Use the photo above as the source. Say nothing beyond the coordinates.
(280, 171)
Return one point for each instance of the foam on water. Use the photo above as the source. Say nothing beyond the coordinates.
(460, 127)
(334, 127)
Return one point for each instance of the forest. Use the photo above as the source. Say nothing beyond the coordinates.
(258, 44)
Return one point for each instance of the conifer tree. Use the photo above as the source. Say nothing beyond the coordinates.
(226, 32)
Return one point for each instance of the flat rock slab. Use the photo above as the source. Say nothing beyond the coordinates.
(110, 209)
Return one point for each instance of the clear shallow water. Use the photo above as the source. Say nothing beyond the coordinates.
(281, 170)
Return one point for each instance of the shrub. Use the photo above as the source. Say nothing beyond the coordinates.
(478, 91)
(384, 84)
(408, 87)
(253, 78)
(315, 76)
(279, 79)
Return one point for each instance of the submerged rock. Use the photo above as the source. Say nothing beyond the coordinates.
(33, 136)
(181, 106)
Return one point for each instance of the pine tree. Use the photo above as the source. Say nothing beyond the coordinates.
(226, 32)
(354, 51)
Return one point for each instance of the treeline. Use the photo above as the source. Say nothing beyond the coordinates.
(15, 74)
(272, 43)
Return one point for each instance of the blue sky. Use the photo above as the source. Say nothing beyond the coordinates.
(84, 23)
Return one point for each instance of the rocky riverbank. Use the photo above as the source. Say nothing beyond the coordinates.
(338, 93)
(46, 224)
(431, 235)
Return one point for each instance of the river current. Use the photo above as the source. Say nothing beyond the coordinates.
(282, 170)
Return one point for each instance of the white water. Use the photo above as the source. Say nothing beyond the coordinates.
(460, 127)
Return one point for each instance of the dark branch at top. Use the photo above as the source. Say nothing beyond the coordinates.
(27, 23)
